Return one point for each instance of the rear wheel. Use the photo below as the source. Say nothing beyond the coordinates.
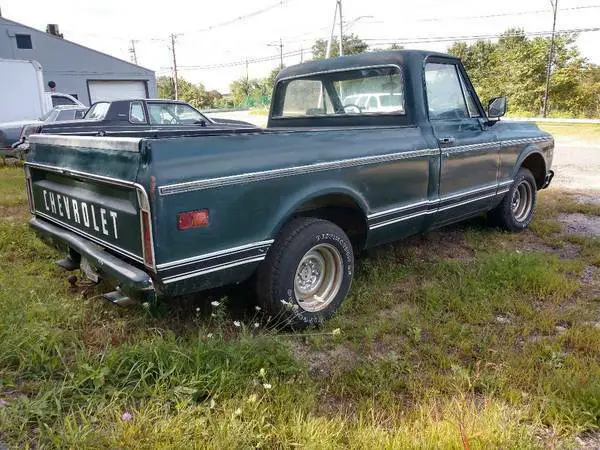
(515, 212)
(307, 273)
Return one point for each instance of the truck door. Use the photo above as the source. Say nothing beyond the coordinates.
(469, 149)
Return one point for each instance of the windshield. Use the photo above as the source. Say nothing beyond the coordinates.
(173, 114)
(48, 115)
(97, 111)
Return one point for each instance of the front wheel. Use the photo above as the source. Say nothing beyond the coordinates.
(307, 273)
(515, 211)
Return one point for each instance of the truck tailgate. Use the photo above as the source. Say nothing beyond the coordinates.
(69, 185)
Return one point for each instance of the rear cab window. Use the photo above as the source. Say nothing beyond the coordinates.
(349, 92)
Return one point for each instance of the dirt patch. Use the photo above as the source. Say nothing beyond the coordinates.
(15, 213)
(324, 362)
(587, 198)
(588, 440)
(580, 224)
(449, 242)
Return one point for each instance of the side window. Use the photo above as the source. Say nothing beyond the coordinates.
(136, 113)
(471, 105)
(79, 113)
(444, 93)
(372, 105)
(65, 115)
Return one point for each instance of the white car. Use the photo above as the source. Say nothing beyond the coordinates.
(376, 102)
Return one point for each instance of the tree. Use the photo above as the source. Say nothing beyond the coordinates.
(351, 45)
(165, 87)
(195, 94)
(516, 65)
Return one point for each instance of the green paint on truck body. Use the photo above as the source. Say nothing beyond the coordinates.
(389, 170)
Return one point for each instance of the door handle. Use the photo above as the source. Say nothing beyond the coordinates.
(447, 141)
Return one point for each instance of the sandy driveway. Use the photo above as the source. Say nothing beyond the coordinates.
(576, 164)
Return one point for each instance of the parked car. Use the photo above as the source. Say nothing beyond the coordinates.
(137, 115)
(379, 102)
(57, 114)
(127, 117)
(174, 213)
(14, 134)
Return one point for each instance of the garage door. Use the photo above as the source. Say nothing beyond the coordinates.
(116, 90)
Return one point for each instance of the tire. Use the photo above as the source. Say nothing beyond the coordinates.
(310, 259)
(515, 211)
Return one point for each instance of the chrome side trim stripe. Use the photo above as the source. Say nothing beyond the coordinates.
(197, 273)
(95, 142)
(210, 183)
(476, 199)
(471, 147)
(250, 177)
(213, 255)
(434, 206)
(510, 142)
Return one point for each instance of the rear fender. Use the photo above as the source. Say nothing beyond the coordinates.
(309, 193)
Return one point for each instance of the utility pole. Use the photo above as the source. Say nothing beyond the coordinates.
(550, 58)
(329, 42)
(132, 51)
(247, 75)
(280, 53)
(302, 53)
(280, 45)
(175, 82)
(339, 2)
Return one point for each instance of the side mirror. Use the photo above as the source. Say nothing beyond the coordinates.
(496, 107)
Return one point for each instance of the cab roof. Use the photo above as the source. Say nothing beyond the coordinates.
(397, 57)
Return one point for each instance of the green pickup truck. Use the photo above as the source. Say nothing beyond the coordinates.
(359, 150)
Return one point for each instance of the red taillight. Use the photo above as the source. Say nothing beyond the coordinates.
(147, 239)
(192, 219)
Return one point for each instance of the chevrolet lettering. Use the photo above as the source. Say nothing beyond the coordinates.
(81, 213)
(358, 151)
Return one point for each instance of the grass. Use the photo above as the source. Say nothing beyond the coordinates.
(466, 337)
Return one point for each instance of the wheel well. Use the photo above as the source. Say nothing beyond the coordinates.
(536, 164)
(340, 209)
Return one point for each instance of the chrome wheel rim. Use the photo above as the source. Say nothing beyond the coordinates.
(318, 277)
(522, 200)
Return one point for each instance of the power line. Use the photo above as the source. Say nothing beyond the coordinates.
(425, 39)
(280, 3)
(384, 41)
(504, 14)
